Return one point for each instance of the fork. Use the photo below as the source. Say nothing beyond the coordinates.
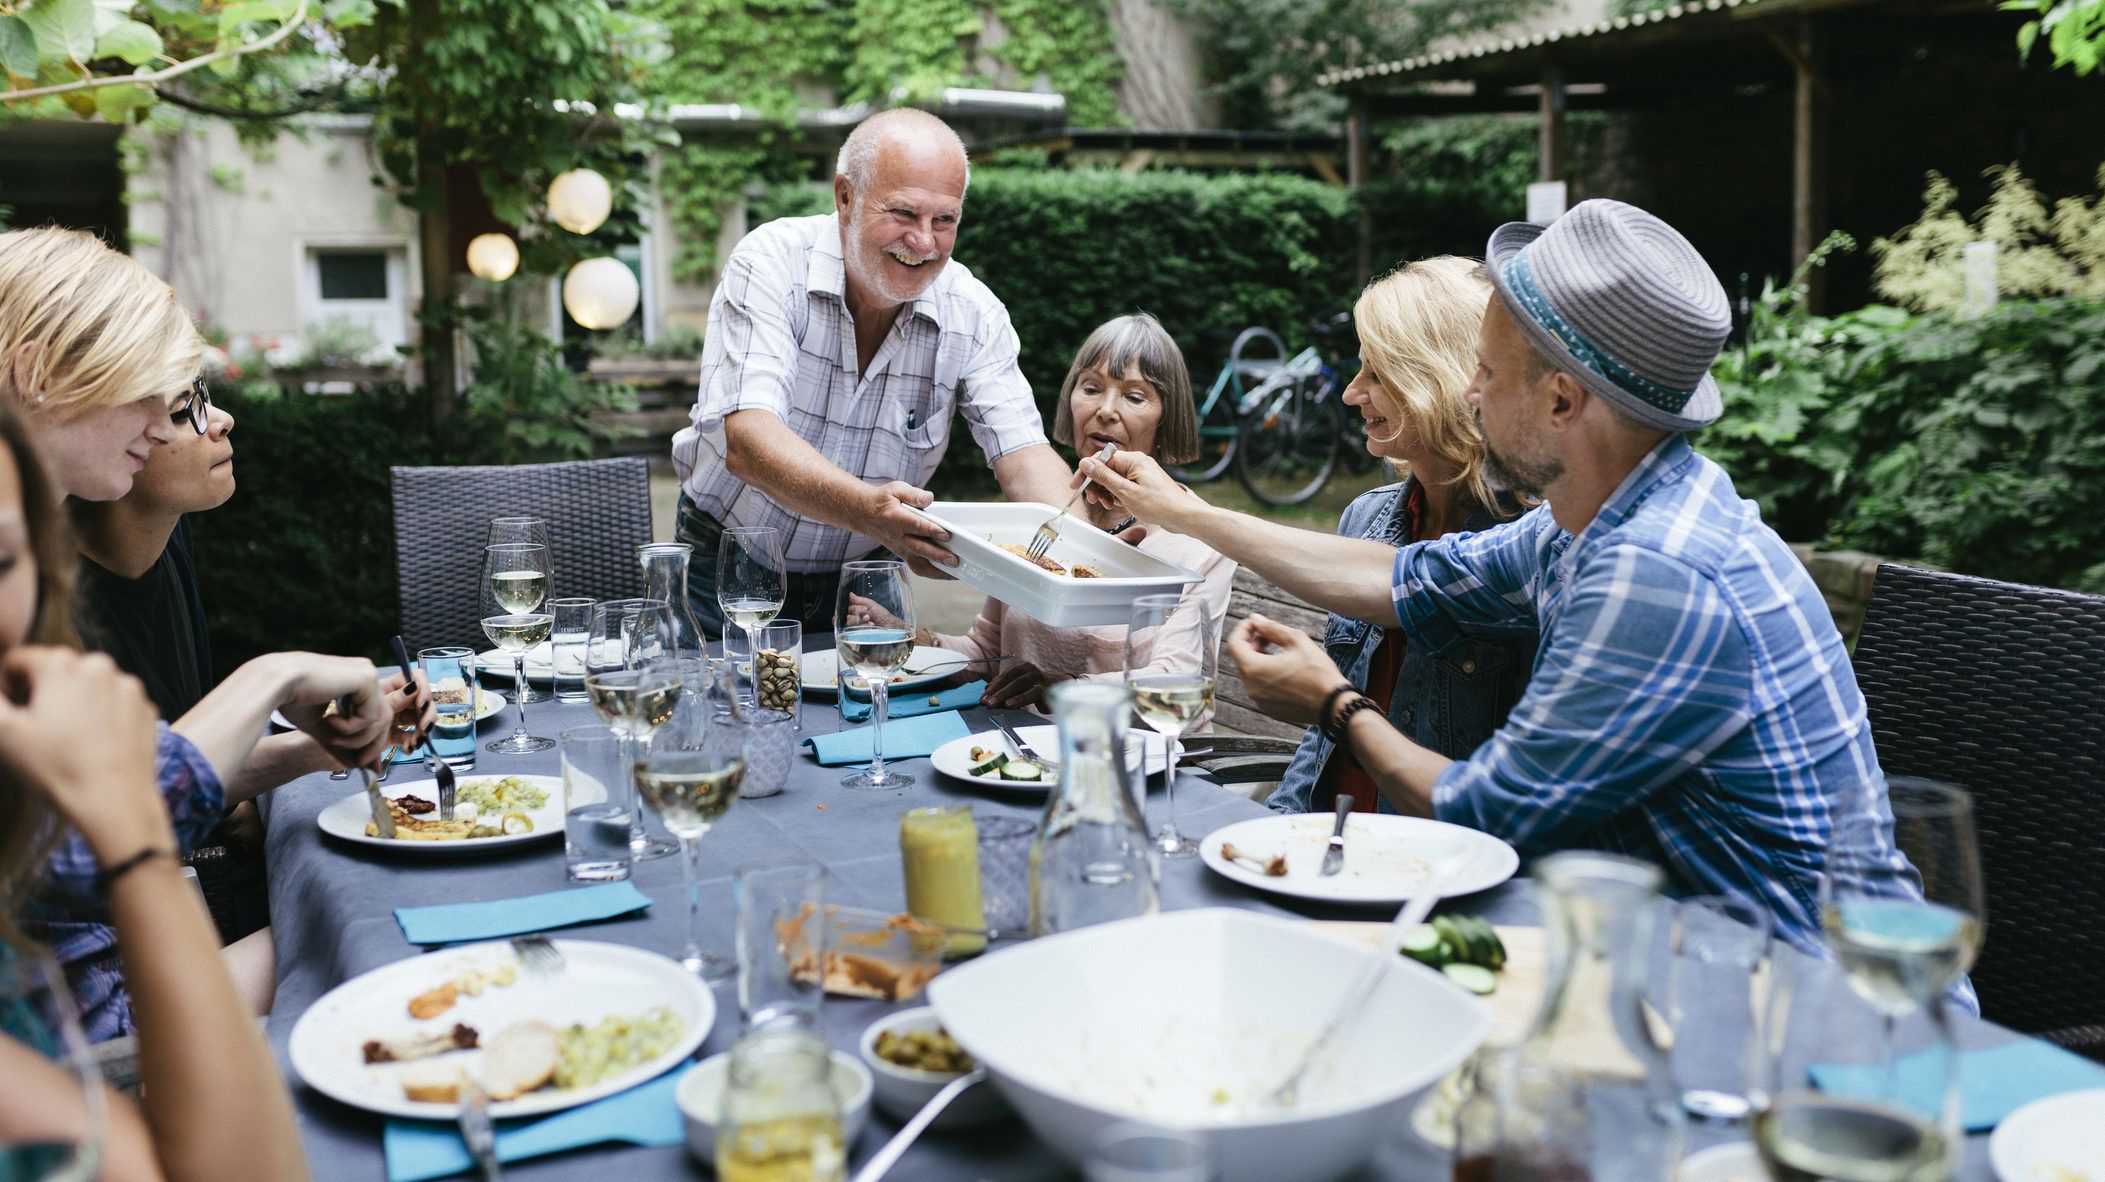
(1045, 537)
(476, 1129)
(539, 954)
(442, 772)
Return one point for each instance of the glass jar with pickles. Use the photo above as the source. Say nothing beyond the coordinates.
(781, 1121)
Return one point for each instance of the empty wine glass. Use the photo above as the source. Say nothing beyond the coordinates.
(1170, 667)
(689, 776)
(63, 1143)
(873, 634)
(751, 580)
(531, 531)
(515, 581)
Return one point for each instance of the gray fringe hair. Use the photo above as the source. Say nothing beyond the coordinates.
(1116, 347)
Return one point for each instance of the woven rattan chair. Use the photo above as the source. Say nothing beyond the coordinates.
(598, 512)
(2000, 688)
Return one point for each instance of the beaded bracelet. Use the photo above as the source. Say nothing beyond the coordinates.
(1344, 719)
(108, 876)
(1330, 700)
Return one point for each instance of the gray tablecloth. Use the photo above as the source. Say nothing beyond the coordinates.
(332, 914)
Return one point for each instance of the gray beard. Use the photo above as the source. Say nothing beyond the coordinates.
(1518, 476)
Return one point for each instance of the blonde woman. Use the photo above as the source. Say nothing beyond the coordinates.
(1127, 386)
(1417, 329)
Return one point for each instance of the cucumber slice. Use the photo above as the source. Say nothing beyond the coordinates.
(1495, 959)
(991, 766)
(1475, 978)
(1422, 943)
(1021, 769)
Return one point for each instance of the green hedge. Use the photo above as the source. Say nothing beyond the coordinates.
(1977, 445)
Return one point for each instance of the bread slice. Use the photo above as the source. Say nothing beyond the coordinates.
(431, 1083)
(518, 1059)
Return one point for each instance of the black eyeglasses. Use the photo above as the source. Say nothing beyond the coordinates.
(195, 408)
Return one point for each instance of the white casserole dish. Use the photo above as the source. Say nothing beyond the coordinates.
(1059, 600)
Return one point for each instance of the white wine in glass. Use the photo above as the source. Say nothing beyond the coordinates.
(515, 634)
(690, 778)
(873, 635)
(1901, 902)
(1170, 667)
(512, 587)
(752, 582)
(1808, 1136)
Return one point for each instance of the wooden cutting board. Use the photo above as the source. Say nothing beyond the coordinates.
(1520, 983)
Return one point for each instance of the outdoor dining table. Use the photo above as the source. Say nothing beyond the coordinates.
(332, 912)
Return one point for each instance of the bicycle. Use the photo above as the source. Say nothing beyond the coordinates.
(1294, 431)
(1242, 379)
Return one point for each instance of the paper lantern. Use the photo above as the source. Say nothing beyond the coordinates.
(601, 293)
(494, 257)
(579, 200)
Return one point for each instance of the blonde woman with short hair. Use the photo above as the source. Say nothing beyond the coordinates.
(97, 355)
(1417, 331)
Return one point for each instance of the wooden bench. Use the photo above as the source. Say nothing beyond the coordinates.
(1253, 593)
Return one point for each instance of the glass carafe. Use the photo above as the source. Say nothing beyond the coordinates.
(1092, 861)
(1587, 1095)
(665, 577)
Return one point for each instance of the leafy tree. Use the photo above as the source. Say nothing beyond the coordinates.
(2041, 252)
(2075, 31)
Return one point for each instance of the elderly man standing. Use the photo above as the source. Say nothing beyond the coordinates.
(1691, 702)
(838, 347)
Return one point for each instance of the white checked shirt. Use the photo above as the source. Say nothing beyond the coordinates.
(780, 340)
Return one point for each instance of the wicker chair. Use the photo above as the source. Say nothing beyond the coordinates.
(2000, 688)
(598, 512)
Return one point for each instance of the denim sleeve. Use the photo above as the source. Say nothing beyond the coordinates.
(1471, 584)
(1644, 672)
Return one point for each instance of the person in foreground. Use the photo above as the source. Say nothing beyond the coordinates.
(1128, 387)
(1691, 701)
(1417, 331)
(838, 347)
(78, 739)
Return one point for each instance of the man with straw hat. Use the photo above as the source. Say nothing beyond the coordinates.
(1691, 702)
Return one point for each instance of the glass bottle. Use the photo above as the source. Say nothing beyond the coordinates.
(665, 577)
(781, 1121)
(1587, 1095)
(1092, 861)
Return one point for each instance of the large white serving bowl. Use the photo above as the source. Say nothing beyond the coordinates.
(1187, 1020)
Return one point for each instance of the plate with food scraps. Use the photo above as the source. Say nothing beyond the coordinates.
(498, 662)
(1387, 858)
(488, 704)
(490, 813)
(2057, 1139)
(985, 758)
(820, 671)
(396, 1040)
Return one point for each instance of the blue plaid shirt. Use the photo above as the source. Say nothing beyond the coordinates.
(68, 915)
(1691, 702)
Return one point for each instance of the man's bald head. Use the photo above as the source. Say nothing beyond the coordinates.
(912, 136)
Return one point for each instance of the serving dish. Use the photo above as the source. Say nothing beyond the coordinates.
(979, 528)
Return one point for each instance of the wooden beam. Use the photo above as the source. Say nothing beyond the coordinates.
(1356, 149)
(1326, 167)
(1550, 166)
(1136, 161)
(1809, 155)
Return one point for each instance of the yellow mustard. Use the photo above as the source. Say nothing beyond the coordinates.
(940, 848)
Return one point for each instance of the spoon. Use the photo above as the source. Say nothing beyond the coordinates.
(887, 1157)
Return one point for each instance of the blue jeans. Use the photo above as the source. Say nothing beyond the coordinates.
(811, 596)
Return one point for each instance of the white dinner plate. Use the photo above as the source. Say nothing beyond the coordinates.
(820, 671)
(1387, 858)
(347, 818)
(1734, 1161)
(955, 757)
(497, 662)
(2057, 1139)
(489, 704)
(597, 981)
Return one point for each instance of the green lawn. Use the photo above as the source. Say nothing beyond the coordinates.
(1318, 512)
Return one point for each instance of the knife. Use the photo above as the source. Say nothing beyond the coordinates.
(1334, 857)
(383, 821)
(1016, 741)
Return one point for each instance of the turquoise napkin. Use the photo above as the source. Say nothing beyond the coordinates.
(903, 739)
(908, 703)
(454, 923)
(1992, 1083)
(646, 1115)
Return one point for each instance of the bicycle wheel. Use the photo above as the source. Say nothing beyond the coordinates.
(1287, 448)
(1257, 352)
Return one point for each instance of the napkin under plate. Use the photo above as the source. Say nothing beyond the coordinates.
(904, 739)
(644, 1115)
(909, 703)
(455, 923)
(1993, 1083)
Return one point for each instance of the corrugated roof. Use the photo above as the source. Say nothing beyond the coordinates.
(1508, 45)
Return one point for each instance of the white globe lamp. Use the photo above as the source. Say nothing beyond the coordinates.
(601, 293)
(580, 200)
(494, 257)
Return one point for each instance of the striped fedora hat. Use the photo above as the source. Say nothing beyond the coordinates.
(1621, 301)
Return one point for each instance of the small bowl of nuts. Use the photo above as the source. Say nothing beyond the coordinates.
(911, 1057)
(776, 679)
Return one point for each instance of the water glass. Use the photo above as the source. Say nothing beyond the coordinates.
(595, 811)
(771, 747)
(455, 695)
(573, 626)
(781, 942)
(1005, 874)
(1142, 1153)
(778, 677)
(1714, 973)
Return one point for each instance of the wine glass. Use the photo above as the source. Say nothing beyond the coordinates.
(531, 531)
(36, 1009)
(1172, 687)
(515, 581)
(610, 645)
(751, 580)
(873, 634)
(689, 777)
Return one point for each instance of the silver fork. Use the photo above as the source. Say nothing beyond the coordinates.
(539, 954)
(476, 1128)
(1045, 537)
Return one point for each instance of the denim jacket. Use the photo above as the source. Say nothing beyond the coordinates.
(1447, 702)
